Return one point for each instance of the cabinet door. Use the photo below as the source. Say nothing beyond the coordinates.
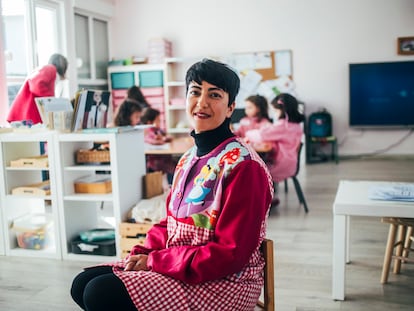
(29, 195)
(88, 211)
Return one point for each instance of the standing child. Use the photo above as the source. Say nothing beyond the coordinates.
(257, 115)
(285, 136)
(156, 136)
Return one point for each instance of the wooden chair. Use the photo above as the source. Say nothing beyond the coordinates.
(401, 242)
(268, 303)
(296, 183)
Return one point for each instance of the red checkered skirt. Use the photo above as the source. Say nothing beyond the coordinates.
(156, 292)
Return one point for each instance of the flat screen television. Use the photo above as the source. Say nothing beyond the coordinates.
(381, 95)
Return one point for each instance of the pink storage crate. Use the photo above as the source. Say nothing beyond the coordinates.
(155, 100)
(177, 101)
(152, 91)
(159, 107)
(119, 93)
(116, 102)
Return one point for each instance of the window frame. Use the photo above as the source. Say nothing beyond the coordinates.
(91, 16)
(31, 35)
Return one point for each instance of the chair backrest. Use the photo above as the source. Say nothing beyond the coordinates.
(268, 303)
(298, 162)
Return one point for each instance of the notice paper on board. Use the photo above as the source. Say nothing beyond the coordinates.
(392, 192)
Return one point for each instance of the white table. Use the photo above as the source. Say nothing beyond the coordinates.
(352, 200)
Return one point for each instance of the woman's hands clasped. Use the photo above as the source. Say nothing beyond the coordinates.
(137, 263)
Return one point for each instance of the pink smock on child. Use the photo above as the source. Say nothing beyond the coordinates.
(285, 138)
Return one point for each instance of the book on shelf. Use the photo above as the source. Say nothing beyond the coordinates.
(165, 146)
(5, 129)
(91, 109)
(392, 192)
(116, 129)
(56, 112)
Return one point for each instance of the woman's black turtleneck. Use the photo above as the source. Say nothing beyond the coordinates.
(207, 141)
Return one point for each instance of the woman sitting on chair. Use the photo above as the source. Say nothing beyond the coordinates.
(205, 255)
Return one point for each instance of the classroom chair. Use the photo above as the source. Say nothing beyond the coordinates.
(296, 183)
(268, 303)
(398, 245)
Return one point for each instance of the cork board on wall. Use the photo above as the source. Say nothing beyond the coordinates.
(269, 64)
(266, 73)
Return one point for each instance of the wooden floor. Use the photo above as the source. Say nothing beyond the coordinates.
(303, 252)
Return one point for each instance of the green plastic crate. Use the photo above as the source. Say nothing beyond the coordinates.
(151, 78)
(122, 80)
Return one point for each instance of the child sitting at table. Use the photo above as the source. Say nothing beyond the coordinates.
(128, 113)
(285, 137)
(257, 116)
(156, 136)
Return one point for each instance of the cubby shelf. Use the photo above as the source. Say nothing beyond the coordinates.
(70, 212)
(14, 146)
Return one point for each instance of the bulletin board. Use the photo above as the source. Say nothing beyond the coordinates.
(269, 64)
(266, 73)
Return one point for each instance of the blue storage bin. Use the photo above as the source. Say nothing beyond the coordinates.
(151, 78)
(122, 80)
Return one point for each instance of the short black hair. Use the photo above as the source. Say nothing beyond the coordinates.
(216, 73)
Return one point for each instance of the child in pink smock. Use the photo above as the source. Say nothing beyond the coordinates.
(257, 116)
(285, 136)
(156, 136)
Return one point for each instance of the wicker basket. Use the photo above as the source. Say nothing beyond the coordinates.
(92, 156)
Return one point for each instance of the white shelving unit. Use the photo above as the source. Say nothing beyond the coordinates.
(174, 92)
(80, 212)
(171, 102)
(123, 77)
(15, 146)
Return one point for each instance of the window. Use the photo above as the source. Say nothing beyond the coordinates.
(92, 51)
(32, 32)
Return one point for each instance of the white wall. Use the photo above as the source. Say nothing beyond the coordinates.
(324, 35)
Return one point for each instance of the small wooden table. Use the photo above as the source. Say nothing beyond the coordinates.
(262, 147)
(352, 199)
(181, 144)
(176, 147)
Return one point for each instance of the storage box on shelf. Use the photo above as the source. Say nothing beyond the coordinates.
(158, 50)
(37, 189)
(33, 231)
(95, 242)
(150, 79)
(86, 211)
(29, 188)
(93, 184)
(131, 235)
